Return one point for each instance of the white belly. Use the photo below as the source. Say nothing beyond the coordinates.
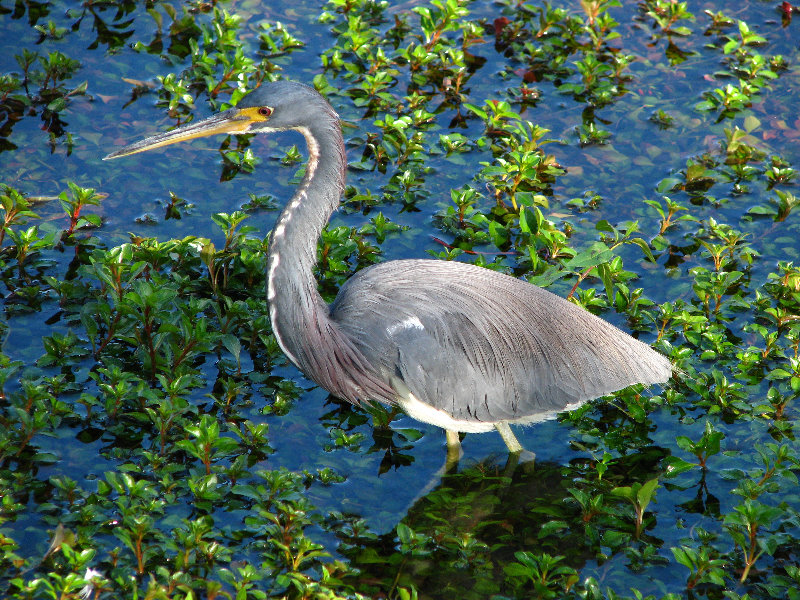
(427, 414)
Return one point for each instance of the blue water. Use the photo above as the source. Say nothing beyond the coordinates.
(624, 172)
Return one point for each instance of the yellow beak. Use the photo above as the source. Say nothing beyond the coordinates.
(230, 121)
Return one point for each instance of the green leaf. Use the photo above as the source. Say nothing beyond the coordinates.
(409, 433)
(751, 123)
(232, 345)
(675, 466)
(645, 248)
(605, 276)
(646, 493)
(685, 556)
(623, 492)
(552, 527)
(669, 183)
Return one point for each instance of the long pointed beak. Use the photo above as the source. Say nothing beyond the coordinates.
(229, 121)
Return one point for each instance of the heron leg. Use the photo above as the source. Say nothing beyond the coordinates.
(517, 454)
(509, 438)
(453, 450)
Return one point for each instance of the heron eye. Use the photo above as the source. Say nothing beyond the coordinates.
(265, 111)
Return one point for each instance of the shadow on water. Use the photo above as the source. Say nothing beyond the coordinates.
(459, 535)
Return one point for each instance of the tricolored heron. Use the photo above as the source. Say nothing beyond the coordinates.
(455, 345)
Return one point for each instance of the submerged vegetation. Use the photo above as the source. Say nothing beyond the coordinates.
(639, 159)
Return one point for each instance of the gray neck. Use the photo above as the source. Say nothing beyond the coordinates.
(296, 308)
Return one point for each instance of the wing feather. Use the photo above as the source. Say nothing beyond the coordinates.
(483, 346)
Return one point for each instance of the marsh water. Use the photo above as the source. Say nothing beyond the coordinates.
(629, 136)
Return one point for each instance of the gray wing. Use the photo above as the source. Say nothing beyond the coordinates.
(484, 346)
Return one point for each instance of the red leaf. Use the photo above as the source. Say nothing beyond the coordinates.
(500, 24)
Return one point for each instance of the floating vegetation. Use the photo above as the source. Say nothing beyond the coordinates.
(155, 442)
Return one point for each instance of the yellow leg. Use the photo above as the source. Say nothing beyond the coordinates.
(517, 454)
(508, 437)
(453, 449)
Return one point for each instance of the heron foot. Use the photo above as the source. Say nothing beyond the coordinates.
(524, 460)
(516, 453)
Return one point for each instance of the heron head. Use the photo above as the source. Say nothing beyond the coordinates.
(275, 106)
